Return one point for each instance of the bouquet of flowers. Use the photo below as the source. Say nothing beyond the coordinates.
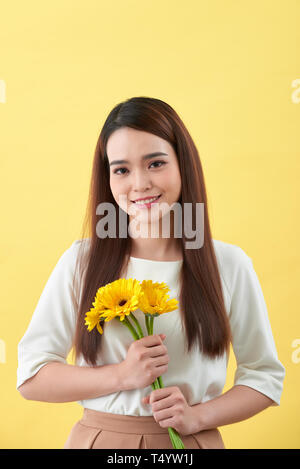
(118, 300)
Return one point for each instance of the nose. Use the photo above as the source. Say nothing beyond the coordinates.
(141, 181)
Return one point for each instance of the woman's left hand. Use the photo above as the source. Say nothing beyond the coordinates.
(170, 409)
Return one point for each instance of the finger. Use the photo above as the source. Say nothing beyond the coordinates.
(167, 423)
(158, 394)
(157, 351)
(146, 400)
(164, 414)
(162, 404)
(152, 340)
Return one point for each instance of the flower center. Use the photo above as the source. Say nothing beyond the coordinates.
(122, 302)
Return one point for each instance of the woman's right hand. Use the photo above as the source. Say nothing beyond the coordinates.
(147, 359)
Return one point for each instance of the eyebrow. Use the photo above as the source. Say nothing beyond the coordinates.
(145, 157)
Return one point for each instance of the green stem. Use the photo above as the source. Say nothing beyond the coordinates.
(136, 336)
(174, 436)
(127, 323)
(147, 323)
(151, 320)
(137, 324)
(158, 383)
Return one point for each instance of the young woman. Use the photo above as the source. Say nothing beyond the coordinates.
(145, 151)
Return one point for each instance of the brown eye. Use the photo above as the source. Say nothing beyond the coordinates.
(125, 169)
(119, 169)
(154, 162)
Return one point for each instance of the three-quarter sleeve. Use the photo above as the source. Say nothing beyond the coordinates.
(50, 332)
(253, 344)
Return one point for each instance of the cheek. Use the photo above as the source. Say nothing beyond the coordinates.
(117, 187)
(120, 193)
(173, 182)
(113, 187)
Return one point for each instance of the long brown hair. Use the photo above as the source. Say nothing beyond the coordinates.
(101, 260)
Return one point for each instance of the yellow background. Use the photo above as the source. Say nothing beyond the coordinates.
(227, 68)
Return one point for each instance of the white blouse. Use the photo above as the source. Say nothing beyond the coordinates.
(51, 329)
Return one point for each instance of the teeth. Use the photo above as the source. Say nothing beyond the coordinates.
(147, 201)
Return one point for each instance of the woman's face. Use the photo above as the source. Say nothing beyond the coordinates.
(138, 177)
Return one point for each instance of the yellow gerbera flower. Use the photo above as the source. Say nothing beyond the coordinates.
(155, 300)
(92, 319)
(117, 298)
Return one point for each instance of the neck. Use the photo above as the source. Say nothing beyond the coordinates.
(148, 241)
(156, 249)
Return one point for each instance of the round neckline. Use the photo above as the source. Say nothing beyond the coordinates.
(159, 262)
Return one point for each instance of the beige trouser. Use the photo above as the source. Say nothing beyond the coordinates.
(101, 430)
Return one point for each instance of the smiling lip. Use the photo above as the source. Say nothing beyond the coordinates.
(146, 198)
